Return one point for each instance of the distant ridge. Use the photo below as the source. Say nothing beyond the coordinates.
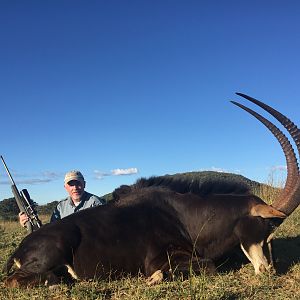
(202, 182)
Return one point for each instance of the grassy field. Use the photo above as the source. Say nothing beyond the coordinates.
(240, 283)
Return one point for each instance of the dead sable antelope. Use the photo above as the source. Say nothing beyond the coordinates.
(220, 216)
(154, 229)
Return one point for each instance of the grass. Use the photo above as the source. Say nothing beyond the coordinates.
(234, 284)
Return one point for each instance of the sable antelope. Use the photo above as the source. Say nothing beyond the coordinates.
(151, 227)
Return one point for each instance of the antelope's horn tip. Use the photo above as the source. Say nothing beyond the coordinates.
(236, 103)
(241, 94)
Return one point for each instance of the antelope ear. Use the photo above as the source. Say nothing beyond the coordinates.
(266, 211)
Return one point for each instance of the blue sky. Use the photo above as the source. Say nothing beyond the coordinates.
(141, 88)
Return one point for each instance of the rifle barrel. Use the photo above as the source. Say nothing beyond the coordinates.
(6, 168)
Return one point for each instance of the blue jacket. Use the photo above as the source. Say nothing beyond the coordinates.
(66, 207)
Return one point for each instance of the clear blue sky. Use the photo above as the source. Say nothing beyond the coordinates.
(143, 87)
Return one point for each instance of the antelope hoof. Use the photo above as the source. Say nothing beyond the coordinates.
(155, 278)
(262, 269)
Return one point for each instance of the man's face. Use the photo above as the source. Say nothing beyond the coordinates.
(75, 189)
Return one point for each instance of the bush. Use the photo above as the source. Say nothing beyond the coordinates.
(9, 209)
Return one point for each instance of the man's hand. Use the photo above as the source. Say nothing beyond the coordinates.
(23, 219)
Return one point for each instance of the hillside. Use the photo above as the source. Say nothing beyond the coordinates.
(207, 179)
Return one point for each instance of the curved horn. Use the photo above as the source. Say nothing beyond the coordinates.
(293, 200)
(286, 122)
(286, 201)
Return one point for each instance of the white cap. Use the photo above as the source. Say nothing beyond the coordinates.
(74, 175)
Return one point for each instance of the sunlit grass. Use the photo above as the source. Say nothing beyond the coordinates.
(239, 284)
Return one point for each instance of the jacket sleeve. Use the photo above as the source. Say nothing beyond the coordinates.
(98, 201)
(55, 215)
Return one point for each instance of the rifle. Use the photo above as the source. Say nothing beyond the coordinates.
(25, 204)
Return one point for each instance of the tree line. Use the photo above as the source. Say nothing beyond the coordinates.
(9, 209)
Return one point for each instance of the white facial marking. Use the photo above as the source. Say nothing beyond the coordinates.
(18, 263)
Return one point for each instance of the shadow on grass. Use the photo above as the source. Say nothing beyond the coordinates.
(286, 252)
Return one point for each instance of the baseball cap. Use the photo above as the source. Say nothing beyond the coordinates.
(74, 175)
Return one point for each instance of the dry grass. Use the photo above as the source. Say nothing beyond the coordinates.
(235, 284)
